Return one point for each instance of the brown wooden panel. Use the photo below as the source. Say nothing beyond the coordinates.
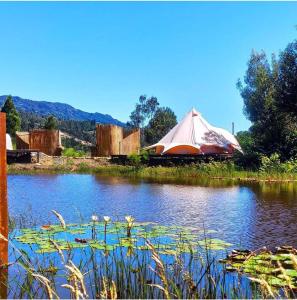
(46, 141)
(3, 207)
(22, 140)
(115, 140)
(131, 143)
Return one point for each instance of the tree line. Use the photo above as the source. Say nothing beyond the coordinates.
(269, 92)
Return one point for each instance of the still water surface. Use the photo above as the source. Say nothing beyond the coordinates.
(248, 215)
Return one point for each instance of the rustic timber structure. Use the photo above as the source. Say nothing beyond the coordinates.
(116, 140)
(46, 141)
(3, 209)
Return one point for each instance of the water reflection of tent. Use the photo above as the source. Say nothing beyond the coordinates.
(194, 135)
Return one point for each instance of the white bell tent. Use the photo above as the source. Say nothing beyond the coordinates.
(8, 142)
(194, 135)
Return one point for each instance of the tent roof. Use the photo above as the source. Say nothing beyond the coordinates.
(195, 131)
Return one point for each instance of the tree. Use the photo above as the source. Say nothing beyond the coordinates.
(270, 102)
(287, 80)
(143, 112)
(51, 123)
(163, 120)
(245, 141)
(13, 120)
(259, 105)
(250, 158)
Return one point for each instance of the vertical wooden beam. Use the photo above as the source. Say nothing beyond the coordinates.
(3, 207)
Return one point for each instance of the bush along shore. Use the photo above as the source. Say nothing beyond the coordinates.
(125, 258)
(269, 169)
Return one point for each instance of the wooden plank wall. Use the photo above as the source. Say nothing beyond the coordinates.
(102, 140)
(46, 141)
(22, 140)
(131, 143)
(3, 208)
(114, 140)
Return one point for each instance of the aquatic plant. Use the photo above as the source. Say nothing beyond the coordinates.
(153, 261)
(272, 270)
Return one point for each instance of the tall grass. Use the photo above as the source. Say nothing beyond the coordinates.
(212, 170)
(126, 273)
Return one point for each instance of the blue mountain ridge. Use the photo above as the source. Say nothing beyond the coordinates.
(61, 111)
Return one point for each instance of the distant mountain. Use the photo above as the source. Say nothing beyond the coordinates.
(60, 110)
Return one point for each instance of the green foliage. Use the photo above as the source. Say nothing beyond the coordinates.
(163, 120)
(70, 152)
(51, 123)
(245, 140)
(154, 121)
(13, 120)
(273, 164)
(69, 142)
(270, 102)
(134, 160)
(287, 83)
(137, 160)
(250, 159)
(83, 130)
(144, 110)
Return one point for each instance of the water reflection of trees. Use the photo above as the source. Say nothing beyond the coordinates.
(284, 192)
(263, 190)
(203, 182)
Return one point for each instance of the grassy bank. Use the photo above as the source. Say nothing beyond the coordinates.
(214, 170)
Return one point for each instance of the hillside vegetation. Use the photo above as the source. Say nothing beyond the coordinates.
(59, 110)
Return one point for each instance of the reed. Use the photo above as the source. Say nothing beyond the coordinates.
(129, 273)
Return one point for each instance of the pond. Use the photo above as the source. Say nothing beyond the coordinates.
(246, 215)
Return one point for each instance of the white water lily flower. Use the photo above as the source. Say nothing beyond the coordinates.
(94, 218)
(106, 219)
(129, 219)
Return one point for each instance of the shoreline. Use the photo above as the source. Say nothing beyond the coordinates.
(218, 172)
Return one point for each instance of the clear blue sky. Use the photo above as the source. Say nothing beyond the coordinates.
(100, 56)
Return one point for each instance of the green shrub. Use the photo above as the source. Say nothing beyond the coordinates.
(273, 164)
(70, 152)
(135, 160)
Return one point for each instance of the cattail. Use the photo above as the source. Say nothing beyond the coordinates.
(46, 282)
(75, 291)
(58, 249)
(60, 218)
(108, 292)
(77, 277)
(160, 270)
(264, 284)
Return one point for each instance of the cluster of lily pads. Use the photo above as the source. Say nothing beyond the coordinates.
(277, 268)
(107, 236)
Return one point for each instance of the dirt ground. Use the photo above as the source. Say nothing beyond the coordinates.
(60, 162)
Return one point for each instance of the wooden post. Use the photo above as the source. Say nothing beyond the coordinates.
(3, 208)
